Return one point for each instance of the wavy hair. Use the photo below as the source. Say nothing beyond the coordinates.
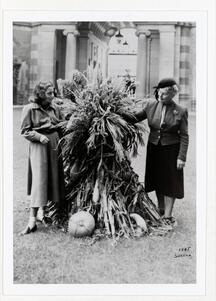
(40, 89)
(175, 88)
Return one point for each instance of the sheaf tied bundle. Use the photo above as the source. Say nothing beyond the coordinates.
(96, 148)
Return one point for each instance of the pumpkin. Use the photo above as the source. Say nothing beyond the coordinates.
(81, 224)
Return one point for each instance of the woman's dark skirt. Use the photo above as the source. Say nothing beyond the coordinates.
(161, 170)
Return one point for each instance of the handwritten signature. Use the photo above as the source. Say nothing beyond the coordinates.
(183, 252)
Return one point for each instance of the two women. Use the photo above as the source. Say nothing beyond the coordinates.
(167, 146)
(166, 150)
(40, 125)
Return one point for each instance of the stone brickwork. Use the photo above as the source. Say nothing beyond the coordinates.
(34, 58)
(165, 49)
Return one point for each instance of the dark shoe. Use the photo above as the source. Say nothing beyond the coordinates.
(161, 211)
(170, 221)
(28, 230)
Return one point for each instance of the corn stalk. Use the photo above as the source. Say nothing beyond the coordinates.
(95, 150)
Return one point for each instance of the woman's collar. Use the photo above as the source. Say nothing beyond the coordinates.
(171, 103)
(36, 105)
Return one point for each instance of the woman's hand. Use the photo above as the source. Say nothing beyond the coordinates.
(44, 139)
(180, 164)
(63, 126)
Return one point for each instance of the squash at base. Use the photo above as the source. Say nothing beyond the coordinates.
(81, 224)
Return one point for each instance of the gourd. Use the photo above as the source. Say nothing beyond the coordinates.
(140, 222)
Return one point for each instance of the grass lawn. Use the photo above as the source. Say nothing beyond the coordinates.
(50, 256)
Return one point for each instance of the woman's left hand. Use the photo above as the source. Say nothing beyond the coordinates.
(180, 164)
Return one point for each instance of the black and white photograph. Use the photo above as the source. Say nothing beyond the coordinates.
(106, 142)
(85, 161)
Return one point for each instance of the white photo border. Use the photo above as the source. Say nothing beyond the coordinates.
(198, 289)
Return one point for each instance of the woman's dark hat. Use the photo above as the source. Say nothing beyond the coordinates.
(165, 82)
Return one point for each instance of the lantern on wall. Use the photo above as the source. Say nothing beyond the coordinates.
(119, 37)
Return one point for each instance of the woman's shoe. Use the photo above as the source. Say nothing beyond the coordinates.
(161, 211)
(174, 221)
(170, 221)
(28, 230)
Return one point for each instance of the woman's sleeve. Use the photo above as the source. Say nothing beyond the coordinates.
(184, 137)
(136, 116)
(26, 126)
(61, 114)
(58, 112)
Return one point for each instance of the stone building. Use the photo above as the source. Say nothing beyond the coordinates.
(52, 50)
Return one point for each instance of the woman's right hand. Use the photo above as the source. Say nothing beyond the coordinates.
(44, 139)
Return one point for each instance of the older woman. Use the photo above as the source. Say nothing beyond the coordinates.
(167, 146)
(40, 125)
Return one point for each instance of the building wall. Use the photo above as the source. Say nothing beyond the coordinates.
(168, 51)
(172, 54)
(52, 50)
(96, 58)
(118, 63)
(21, 60)
(154, 61)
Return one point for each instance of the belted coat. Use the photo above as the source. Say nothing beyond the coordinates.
(45, 169)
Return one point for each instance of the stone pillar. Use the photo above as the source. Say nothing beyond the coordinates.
(167, 51)
(185, 65)
(34, 58)
(46, 53)
(106, 62)
(141, 63)
(177, 52)
(177, 57)
(107, 57)
(82, 54)
(71, 53)
(148, 88)
(193, 69)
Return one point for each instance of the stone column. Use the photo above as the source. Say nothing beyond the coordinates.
(141, 63)
(107, 57)
(46, 53)
(177, 57)
(148, 89)
(82, 54)
(106, 62)
(185, 65)
(193, 68)
(34, 61)
(177, 52)
(167, 52)
(71, 53)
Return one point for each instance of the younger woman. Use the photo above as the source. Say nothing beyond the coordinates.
(40, 125)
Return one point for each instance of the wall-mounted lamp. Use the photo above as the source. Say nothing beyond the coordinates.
(119, 36)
